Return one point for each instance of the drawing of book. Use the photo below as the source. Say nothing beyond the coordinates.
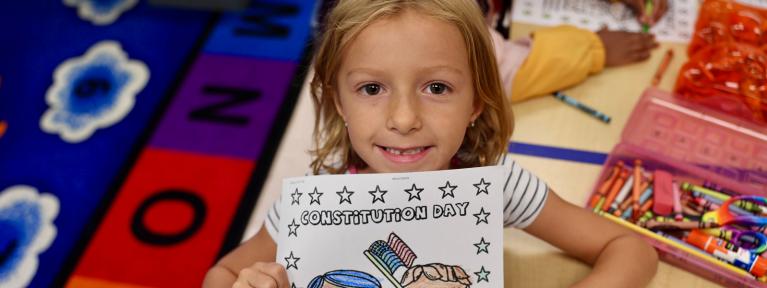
(389, 256)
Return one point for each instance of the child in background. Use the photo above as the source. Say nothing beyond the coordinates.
(406, 86)
(556, 58)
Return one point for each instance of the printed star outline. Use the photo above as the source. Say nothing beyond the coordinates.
(292, 261)
(315, 196)
(482, 246)
(482, 275)
(482, 216)
(484, 186)
(378, 194)
(293, 227)
(414, 193)
(347, 198)
(447, 186)
(296, 197)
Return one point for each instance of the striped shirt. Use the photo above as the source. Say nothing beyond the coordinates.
(523, 197)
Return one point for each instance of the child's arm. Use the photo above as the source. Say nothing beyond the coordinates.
(549, 67)
(601, 243)
(251, 265)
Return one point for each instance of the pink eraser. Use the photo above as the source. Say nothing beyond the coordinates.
(663, 193)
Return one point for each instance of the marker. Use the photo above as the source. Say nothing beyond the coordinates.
(648, 10)
(3, 128)
(591, 111)
(662, 67)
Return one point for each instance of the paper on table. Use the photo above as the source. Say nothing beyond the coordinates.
(677, 24)
(361, 227)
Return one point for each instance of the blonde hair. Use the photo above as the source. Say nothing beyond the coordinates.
(483, 144)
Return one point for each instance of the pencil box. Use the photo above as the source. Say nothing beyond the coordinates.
(691, 141)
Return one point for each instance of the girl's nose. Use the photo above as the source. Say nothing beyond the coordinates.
(404, 114)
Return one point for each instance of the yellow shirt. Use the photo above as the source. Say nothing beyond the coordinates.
(560, 57)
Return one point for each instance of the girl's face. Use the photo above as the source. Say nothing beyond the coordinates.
(405, 90)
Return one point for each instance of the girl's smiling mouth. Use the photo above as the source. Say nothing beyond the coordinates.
(404, 155)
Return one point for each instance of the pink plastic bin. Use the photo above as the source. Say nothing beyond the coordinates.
(693, 141)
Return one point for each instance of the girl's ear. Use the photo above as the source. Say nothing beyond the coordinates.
(479, 107)
(337, 103)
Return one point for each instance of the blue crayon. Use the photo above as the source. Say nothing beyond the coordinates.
(646, 195)
(575, 103)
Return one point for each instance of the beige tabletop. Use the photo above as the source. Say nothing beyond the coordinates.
(530, 262)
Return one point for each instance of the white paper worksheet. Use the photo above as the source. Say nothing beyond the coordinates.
(372, 229)
(676, 26)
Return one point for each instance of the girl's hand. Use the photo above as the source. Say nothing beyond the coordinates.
(638, 6)
(262, 275)
(623, 48)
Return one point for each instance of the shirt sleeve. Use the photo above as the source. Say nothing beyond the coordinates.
(560, 57)
(273, 219)
(523, 195)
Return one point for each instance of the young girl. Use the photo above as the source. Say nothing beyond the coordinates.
(403, 85)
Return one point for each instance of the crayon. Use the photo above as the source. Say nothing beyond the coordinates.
(686, 186)
(710, 203)
(678, 225)
(580, 106)
(615, 189)
(598, 206)
(677, 202)
(647, 216)
(662, 67)
(623, 193)
(704, 256)
(637, 190)
(602, 190)
(625, 205)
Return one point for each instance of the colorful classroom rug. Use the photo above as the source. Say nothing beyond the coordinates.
(134, 139)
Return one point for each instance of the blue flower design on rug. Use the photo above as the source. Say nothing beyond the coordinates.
(26, 230)
(93, 91)
(101, 12)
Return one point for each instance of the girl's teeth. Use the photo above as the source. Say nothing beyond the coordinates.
(404, 152)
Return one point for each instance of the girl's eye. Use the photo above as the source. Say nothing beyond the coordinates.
(437, 88)
(371, 89)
